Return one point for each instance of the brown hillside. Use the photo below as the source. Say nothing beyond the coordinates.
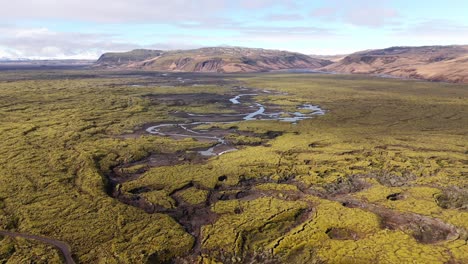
(436, 63)
(219, 59)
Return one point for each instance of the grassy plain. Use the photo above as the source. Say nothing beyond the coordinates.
(381, 178)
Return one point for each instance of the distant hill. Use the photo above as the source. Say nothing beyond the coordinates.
(26, 64)
(435, 63)
(218, 59)
(5, 59)
(333, 58)
(113, 59)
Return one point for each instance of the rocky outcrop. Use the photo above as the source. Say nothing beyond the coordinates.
(211, 65)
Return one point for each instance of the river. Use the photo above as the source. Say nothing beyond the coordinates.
(259, 112)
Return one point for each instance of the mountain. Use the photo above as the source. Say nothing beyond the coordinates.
(435, 63)
(217, 59)
(113, 59)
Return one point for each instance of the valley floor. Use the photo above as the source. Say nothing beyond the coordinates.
(131, 167)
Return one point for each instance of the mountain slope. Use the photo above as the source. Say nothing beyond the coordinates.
(219, 59)
(436, 63)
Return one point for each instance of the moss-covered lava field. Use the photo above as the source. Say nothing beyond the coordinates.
(140, 167)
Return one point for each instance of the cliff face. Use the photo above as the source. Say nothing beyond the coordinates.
(436, 63)
(210, 60)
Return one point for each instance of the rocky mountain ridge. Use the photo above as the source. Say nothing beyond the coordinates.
(218, 59)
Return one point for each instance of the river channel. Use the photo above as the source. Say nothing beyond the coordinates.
(247, 108)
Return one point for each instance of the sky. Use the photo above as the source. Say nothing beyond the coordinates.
(84, 29)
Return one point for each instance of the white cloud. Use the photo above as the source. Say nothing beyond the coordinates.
(433, 32)
(260, 4)
(42, 43)
(284, 17)
(290, 31)
(369, 13)
(205, 15)
(115, 11)
(39, 43)
(371, 16)
(280, 40)
(31, 32)
(431, 28)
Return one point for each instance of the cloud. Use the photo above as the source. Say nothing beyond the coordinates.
(249, 29)
(368, 13)
(42, 43)
(373, 17)
(296, 39)
(113, 11)
(237, 20)
(261, 4)
(435, 27)
(285, 31)
(325, 12)
(135, 11)
(283, 17)
(434, 31)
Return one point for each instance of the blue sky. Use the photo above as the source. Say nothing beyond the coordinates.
(87, 28)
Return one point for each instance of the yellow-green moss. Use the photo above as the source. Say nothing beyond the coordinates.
(59, 137)
(247, 226)
(194, 195)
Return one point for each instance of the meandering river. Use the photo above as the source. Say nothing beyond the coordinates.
(259, 112)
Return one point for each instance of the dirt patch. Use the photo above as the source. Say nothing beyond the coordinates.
(392, 180)
(423, 228)
(272, 134)
(345, 185)
(342, 234)
(453, 198)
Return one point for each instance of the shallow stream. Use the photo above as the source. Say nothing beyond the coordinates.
(188, 130)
